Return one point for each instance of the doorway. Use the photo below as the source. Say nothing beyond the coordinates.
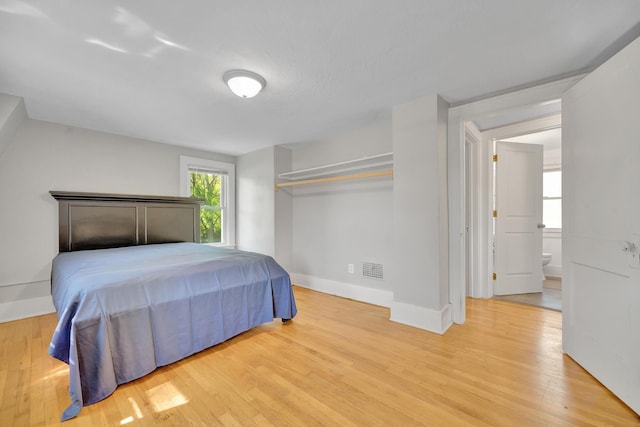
(550, 294)
(479, 198)
(529, 104)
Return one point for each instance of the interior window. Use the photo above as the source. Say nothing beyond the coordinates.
(552, 198)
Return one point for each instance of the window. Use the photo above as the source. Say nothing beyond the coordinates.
(215, 182)
(552, 199)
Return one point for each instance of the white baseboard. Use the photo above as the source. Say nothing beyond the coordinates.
(553, 270)
(408, 314)
(21, 309)
(437, 321)
(345, 290)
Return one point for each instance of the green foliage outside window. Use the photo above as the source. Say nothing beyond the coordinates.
(207, 186)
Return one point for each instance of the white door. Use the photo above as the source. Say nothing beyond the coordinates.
(601, 224)
(518, 247)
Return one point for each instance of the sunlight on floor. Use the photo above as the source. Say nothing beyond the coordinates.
(59, 371)
(165, 396)
(136, 409)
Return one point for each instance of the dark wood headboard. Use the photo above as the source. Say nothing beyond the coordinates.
(99, 220)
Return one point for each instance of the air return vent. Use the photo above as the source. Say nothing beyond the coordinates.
(372, 270)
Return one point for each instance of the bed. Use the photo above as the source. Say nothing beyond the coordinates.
(131, 297)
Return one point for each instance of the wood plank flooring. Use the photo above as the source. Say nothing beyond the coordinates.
(338, 363)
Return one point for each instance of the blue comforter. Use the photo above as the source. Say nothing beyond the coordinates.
(123, 312)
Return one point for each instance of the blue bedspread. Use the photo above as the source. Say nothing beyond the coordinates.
(123, 312)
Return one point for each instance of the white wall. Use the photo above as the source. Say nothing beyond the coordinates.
(45, 156)
(264, 216)
(552, 243)
(256, 202)
(401, 224)
(283, 212)
(346, 222)
(420, 214)
(12, 114)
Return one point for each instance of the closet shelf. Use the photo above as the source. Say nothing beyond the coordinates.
(369, 162)
(364, 167)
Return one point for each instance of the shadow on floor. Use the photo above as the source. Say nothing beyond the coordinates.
(550, 297)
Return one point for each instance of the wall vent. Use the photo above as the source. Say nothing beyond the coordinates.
(372, 270)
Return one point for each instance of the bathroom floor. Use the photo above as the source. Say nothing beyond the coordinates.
(550, 297)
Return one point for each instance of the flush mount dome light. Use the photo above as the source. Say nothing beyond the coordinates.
(243, 83)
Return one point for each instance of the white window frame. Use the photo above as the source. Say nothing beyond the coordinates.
(229, 193)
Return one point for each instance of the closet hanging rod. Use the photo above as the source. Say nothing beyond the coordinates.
(287, 175)
(386, 172)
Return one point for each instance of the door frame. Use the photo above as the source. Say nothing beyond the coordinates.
(478, 245)
(520, 105)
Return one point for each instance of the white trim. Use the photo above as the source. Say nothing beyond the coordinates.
(553, 121)
(229, 212)
(345, 290)
(480, 248)
(15, 310)
(421, 317)
(408, 314)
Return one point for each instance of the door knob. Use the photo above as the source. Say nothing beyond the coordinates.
(541, 225)
(628, 247)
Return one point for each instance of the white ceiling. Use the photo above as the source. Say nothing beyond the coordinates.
(551, 139)
(153, 69)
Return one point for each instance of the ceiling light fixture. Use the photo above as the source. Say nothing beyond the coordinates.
(244, 83)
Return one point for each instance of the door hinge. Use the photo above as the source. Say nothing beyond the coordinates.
(495, 214)
(495, 157)
(494, 276)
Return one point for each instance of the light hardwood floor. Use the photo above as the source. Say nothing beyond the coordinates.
(339, 362)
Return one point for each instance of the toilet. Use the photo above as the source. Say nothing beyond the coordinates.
(546, 259)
